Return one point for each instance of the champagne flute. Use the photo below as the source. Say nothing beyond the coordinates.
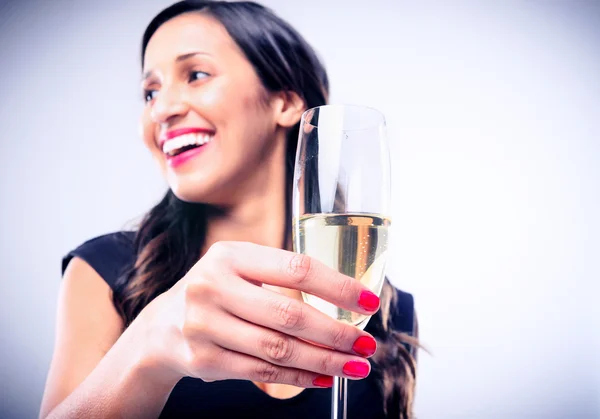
(341, 204)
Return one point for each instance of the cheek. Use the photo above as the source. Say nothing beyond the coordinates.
(227, 101)
(147, 129)
(213, 98)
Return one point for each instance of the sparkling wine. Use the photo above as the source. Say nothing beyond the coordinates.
(353, 244)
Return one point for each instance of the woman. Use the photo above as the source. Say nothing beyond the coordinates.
(198, 313)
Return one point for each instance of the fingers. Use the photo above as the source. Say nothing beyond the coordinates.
(235, 365)
(286, 351)
(296, 271)
(292, 317)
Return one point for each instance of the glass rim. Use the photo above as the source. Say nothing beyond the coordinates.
(305, 118)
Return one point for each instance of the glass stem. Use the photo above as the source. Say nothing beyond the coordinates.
(339, 398)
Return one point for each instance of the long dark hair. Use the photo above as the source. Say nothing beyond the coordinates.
(170, 238)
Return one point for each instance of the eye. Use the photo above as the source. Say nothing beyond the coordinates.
(198, 75)
(150, 95)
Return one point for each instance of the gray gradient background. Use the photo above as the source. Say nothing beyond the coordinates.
(494, 117)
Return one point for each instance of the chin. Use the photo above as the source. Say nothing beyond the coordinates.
(189, 187)
(201, 187)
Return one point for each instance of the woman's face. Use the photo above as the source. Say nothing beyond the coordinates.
(208, 121)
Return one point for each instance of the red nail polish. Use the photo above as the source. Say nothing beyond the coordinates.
(368, 301)
(323, 381)
(356, 369)
(365, 346)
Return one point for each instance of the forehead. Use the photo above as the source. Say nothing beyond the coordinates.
(186, 33)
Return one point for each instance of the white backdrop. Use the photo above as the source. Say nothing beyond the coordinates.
(493, 111)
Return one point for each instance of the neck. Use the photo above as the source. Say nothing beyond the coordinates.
(259, 214)
(259, 217)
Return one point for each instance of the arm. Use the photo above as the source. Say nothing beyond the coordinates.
(215, 323)
(95, 371)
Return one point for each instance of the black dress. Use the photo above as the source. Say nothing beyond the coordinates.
(110, 254)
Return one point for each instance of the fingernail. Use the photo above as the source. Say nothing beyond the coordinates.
(323, 381)
(368, 301)
(365, 346)
(356, 369)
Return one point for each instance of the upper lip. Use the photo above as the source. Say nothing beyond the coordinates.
(167, 135)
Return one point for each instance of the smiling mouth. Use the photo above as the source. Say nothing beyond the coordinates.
(182, 143)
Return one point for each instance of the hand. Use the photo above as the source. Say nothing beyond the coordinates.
(218, 322)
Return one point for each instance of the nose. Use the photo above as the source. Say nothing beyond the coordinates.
(169, 104)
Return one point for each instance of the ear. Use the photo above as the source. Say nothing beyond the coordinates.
(289, 107)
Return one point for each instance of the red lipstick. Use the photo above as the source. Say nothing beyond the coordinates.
(182, 157)
(182, 131)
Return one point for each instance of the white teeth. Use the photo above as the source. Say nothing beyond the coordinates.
(174, 144)
(188, 139)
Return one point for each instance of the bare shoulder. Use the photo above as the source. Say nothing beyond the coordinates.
(87, 325)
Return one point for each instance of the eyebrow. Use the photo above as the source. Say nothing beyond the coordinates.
(178, 59)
